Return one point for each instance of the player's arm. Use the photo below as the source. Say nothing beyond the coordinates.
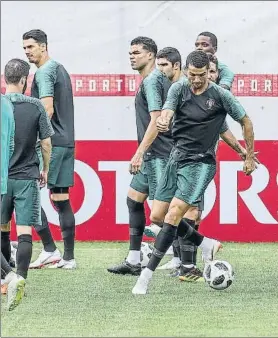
(237, 112)
(45, 132)
(226, 76)
(169, 107)
(150, 134)
(229, 138)
(154, 92)
(45, 79)
(48, 105)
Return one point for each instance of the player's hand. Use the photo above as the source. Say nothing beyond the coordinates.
(244, 153)
(162, 124)
(136, 163)
(249, 165)
(43, 179)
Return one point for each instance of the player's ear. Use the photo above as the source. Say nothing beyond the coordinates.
(151, 55)
(43, 46)
(23, 82)
(177, 65)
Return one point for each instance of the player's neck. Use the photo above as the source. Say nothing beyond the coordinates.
(13, 89)
(43, 60)
(201, 90)
(177, 76)
(147, 70)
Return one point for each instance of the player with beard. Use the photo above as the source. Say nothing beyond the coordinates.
(192, 163)
(185, 252)
(149, 161)
(52, 85)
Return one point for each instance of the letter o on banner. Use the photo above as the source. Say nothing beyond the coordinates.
(92, 196)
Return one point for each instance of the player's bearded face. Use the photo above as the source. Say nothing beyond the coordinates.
(33, 50)
(139, 57)
(197, 77)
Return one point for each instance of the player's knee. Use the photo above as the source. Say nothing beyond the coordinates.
(198, 219)
(192, 213)
(24, 230)
(134, 206)
(59, 194)
(174, 215)
(156, 217)
(137, 219)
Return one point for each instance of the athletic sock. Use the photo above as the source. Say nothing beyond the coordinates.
(24, 254)
(163, 242)
(45, 234)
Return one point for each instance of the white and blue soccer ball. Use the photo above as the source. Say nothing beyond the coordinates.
(146, 252)
(219, 275)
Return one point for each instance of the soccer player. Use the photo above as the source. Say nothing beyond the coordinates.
(148, 163)
(23, 194)
(207, 42)
(199, 108)
(52, 85)
(7, 148)
(169, 62)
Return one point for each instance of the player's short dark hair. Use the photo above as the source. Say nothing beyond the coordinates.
(15, 69)
(147, 44)
(212, 37)
(213, 59)
(38, 35)
(171, 54)
(198, 59)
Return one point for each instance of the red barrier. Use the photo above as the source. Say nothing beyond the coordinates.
(239, 208)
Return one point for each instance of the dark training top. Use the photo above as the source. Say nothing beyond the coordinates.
(199, 119)
(52, 80)
(31, 120)
(150, 97)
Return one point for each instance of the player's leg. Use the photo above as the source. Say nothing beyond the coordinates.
(163, 241)
(26, 196)
(191, 181)
(5, 267)
(164, 193)
(155, 169)
(5, 241)
(137, 194)
(6, 216)
(6, 270)
(188, 270)
(60, 179)
(50, 254)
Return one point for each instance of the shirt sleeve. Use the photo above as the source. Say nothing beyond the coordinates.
(226, 76)
(45, 78)
(224, 127)
(173, 96)
(45, 127)
(231, 104)
(153, 89)
(12, 136)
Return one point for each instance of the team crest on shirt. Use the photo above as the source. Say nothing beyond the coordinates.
(210, 103)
